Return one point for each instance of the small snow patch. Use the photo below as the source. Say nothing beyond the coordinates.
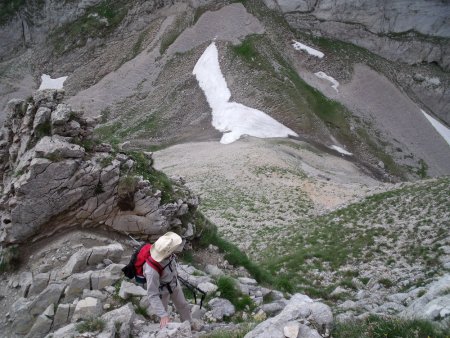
(311, 51)
(49, 83)
(341, 150)
(440, 128)
(334, 83)
(232, 118)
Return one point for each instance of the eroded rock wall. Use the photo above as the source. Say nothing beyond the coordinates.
(401, 30)
(57, 176)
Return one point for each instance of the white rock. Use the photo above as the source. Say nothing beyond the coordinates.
(248, 281)
(291, 330)
(129, 290)
(207, 287)
(87, 308)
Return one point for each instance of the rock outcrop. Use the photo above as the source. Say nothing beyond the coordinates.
(408, 31)
(57, 176)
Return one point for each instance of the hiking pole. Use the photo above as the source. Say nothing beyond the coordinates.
(192, 288)
(134, 240)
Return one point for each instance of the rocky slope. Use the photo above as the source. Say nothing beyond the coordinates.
(132, 63)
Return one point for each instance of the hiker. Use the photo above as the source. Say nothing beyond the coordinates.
(164, 284)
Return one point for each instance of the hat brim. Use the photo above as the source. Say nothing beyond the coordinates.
(159, 256)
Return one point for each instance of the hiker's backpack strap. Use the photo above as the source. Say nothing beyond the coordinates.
(154, 264)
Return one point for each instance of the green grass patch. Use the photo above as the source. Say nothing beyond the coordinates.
(378, 327)
(91, 325)
(158, 179)
(210, 235)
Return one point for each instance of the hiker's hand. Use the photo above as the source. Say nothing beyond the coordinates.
(163, 322)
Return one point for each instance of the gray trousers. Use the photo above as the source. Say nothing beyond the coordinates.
(178, 300)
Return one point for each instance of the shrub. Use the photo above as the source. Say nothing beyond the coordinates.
(91, 325)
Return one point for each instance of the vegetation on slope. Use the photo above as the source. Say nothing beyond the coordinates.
(98, 21)
(363, 238)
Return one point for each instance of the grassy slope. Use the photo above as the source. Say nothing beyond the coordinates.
(407, 225)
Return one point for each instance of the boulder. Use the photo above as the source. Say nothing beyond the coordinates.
(273, 308)
(128, 290)
(176, 330)
(95, 294)
(40, 327)
(76, 263)
(61, 114)
(213, 270)
(63, 315)
(124, 315)
(299, 308)
(99, 253)
(207, 287)
(77, 283)
(220, 308)
(434, 304)
(40, 282)
(21, 318)
(103, 278)
(64, 332)
(42, 117)
(247, 281)
(87, 308)
(50, 295)
(56, 147)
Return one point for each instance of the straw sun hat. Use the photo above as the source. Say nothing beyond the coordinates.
(165, 246)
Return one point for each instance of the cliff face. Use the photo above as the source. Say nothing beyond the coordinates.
(403, 30)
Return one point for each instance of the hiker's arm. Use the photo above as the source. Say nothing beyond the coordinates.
(153, 292)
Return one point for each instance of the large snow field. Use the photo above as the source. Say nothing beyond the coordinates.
(232, 118)
(48, 83)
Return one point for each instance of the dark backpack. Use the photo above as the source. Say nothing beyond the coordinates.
(134, 269)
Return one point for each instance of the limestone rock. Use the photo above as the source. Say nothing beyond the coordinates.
(178, 330)
(291, 329)
(55, 148)
(21, 318)
(213, 270)
(42, 117)
(63, 315)
(50, 295)
(299, 307)
(61, 114)
(248, 281)
(273, 308)
(124, 315)
(40, 327)
(64, 332)
(220, 307)
(77, 283)
(128, 290)
(40, 282)
(207, 287)
(87, 308)
(434, 304)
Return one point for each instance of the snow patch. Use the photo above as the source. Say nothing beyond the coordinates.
(334, 83)
(232, 118)
(311, 51)
(341, 150)
(440, 128)
(49, 83)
